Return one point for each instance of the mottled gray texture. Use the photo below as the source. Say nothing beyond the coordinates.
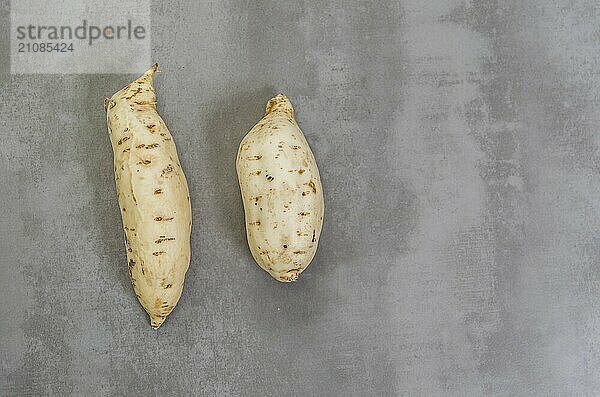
(458, 146)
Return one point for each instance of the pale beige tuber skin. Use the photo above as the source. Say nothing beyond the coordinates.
(153, 197)
(281, 191)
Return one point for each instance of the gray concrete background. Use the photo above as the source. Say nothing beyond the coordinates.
(458, 146)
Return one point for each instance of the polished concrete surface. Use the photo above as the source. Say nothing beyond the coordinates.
(459, 151)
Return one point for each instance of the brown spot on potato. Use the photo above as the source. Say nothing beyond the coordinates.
(167, 170)
(157, 253)
(163, 239)
(301, 171)
(270, 178)
(303, 213)
(144, 162)
(131, 263)
(144, 103)
(158, 191)
(295, 147)
(137, 91)
(126, 150)
(313, 237)
(312, 185)
(162, 218)
(152, 146)
(255, 157)
(299, 252)
(125, 138)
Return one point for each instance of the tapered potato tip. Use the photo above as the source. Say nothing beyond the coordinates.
(150, 72)
(156, 321)
(146, 77)
(279, 103)
(141, 90)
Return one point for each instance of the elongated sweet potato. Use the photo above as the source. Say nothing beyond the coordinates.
(153, 197)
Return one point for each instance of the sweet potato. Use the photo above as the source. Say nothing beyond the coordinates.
(281, 191)
(153, 197)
